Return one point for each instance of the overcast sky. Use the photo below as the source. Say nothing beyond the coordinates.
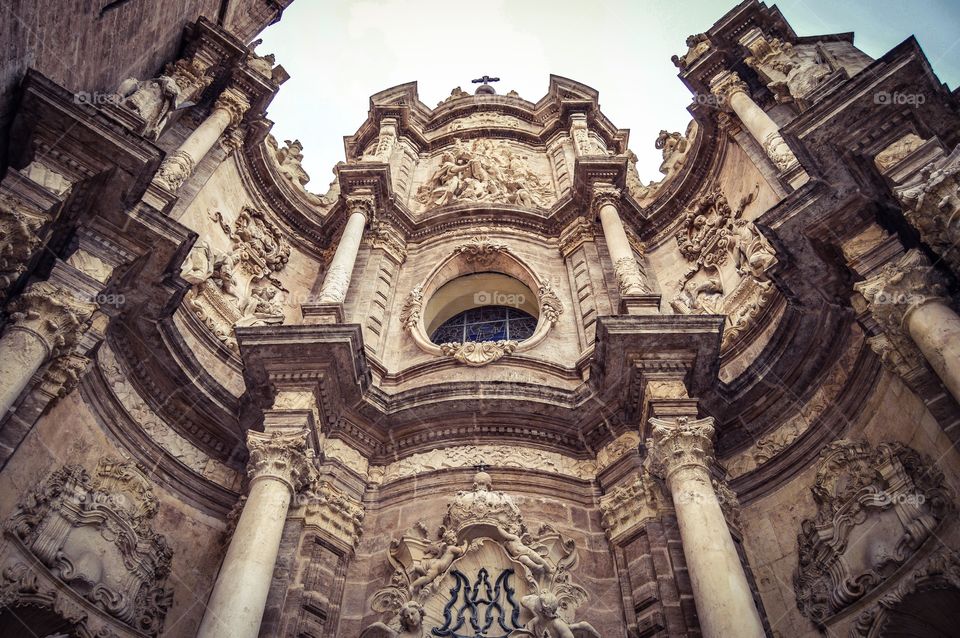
(339, 52)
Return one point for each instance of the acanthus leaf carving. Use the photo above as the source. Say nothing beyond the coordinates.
(282, 455)
(474, 353)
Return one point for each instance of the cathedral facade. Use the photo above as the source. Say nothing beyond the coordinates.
(490, 383)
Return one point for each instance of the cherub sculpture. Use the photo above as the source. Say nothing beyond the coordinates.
(442, 554)
(546, 621)
(411, 624)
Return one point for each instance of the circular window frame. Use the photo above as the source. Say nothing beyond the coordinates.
(476, 256)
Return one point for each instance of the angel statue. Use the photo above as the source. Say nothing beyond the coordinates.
(411, 624)
(546, 621)
(442, 554)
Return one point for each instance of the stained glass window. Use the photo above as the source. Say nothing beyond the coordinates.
(487, 323)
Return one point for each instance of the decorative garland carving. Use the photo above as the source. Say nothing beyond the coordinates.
(887, 498)
(95, 535)
(483, 532)
(473, 353)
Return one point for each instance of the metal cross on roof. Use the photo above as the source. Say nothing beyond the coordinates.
(486, 79)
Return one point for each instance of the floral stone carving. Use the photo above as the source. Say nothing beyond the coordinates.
(875, 507)
(484, 171)
(729, 261)
(94, 534)
(526, 576)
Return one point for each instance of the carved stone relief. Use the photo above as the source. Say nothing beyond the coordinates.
(501, 455)
(239, 288)
(875, 507)
(483, 545)
(325, 507)
(631, 503)
(288, 159)
(485, 171)
(729, 259)
(931, 203)
(94, 534)
(697, 45)
(19, 225)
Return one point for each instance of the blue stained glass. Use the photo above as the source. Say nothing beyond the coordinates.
(487, 323)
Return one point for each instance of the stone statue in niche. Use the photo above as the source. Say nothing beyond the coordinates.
(484, 172)
(789, 73)
(238, 288)
(153, 100)
(483, 533)
(729, 259)
(876, 506)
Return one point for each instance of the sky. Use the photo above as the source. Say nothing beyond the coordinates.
(339, 52)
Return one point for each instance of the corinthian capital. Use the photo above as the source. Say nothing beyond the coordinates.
(725, 84)
(234, 102)
(900, 288)
(361, 202)
(55, 315)
(678, 443)
(604, 194)
(281, 455)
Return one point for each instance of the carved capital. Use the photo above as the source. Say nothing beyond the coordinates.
(603, 195)
(329, 509)
(900, 288)
(573, 236)
(234, 102)
(680, 443)
(18, 238)
(176, 167)
(725, 84)
(55, 315)
(282, 455)
(363, 203)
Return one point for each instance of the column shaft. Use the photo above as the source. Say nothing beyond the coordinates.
(22, 353)
(337, 280)
(935, 328)
(754, 118)
(202, 139)
(630, 279)
(236, 605)
(725, 604)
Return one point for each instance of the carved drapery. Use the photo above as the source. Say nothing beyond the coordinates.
(483, 541)
(888, 499)
(789, 74)
(722, 247)
(95, 536)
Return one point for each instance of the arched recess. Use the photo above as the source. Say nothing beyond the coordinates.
(476, 256)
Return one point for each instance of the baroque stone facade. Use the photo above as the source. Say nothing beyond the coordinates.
(489, 383)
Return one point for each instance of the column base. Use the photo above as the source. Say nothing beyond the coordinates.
(648, 304)
(321, 313)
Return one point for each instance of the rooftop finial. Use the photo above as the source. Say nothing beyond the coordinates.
(485, 88)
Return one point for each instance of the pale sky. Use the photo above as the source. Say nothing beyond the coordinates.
(339, 52)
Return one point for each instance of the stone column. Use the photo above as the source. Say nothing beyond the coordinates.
(337, 280)
(905, 299)
(279, 467)
(630, 279)
(732, 91)
(680, 451)
(44, 321)
(227, 111)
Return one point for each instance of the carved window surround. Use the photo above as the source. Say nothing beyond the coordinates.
(479, 255)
